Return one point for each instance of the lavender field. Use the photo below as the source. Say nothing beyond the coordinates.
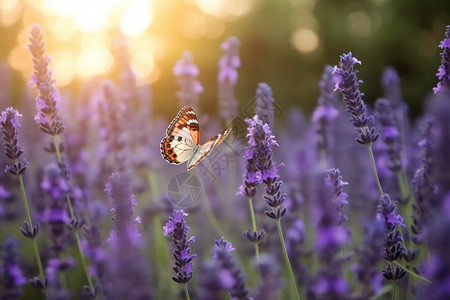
(351, 201)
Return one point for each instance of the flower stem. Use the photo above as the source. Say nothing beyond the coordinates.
(374, 167)
(186, 292)
(286, 258)
(252, 214)
(72, 216)
(27, 212)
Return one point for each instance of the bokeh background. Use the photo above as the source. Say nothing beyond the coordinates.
(285, 43)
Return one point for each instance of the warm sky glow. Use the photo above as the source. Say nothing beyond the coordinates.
(80, 34)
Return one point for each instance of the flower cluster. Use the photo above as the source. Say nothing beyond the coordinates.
(177, 228)
(236, 284)
(394, 246)
(326, 111)
(391, 133)
(264, 103)
(444, 69)
(348, 85)
(9, 122)
(186, 72)
(48, 99)
(227, 78)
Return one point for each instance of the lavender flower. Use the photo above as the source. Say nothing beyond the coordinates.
(390, 81)
(178, 229)
(269, 268)
(252, 176)
(335, 182)
(264, 103)
(326, 111)
(370, 254)
(330, 239)
(9, 122)
(10, 274)
(423, 186)
(56, 188)
(391, 134)
(235, 282)
(48, 99)
(348, 85)
(444, 69)
(394, 246)
(261, 141)
(438, 266)
(186, 72)
(127, 267)
(125, 226)
(227, 78)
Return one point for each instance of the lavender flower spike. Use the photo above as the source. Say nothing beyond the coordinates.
(394, 246)
(48, 99)
(10, 273)
(264, 103)
(186, 72)
(9, 125)
(444, 69)
(348, 85)
(227, 78)
(232, 279)
(178, 229)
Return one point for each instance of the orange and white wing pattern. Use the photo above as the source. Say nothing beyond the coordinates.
(203, 150)
(182, 137)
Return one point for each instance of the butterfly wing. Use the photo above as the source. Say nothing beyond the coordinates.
(203, 150)
(182, 137)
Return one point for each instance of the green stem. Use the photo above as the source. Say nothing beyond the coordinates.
(72, 216)
(252, 214)
(186, 292)
(412, 273)
(286, 258)
(374, 167)
(27, 212)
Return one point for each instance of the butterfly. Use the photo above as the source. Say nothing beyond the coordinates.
(182, 141)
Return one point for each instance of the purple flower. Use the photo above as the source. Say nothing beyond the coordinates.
(264, 103)
(178, 229)
(269, 268)
(125, 226)
(186, 72)
(261, 141)
(10, 273)
(391, 135)
(326, 111)
(369, 255)
(329, 240)
(227, 78)
(47, 102)
(335, 182)
(394, 246)
(390, 81)
(222, 244)
(443, 73)
(229, 61)
(236, 283)
(9, 125)
(348, 85)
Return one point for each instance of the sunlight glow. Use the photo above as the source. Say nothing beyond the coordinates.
(305, 40)
(94, 62)
(10, 12)
(64, 67)
(137, 18)
(225, 8)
